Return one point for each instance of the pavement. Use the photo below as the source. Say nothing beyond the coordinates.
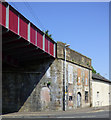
(55, 113)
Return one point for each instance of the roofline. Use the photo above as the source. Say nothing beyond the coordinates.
(101, 79)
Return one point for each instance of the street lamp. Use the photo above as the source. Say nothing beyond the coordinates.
(65, 81)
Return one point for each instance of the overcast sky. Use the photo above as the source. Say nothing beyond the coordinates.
(83, 25)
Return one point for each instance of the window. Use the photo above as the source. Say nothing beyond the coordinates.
(70, 79)
(70, 98)
(79, 81)
(70, 74)
(86, 82)
(86, 96)
(86, 78)
(79, 76)
(97, 94)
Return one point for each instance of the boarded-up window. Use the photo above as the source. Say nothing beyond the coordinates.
(70, 74)
(86, 82)
(86, 77)
(45, 97)
(79, 80)
(79, 76)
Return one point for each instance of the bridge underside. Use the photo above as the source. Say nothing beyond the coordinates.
(17, 51)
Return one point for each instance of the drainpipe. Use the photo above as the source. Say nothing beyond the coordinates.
(90, 88)
(65, 79)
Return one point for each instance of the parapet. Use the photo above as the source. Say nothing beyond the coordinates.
(72, 56)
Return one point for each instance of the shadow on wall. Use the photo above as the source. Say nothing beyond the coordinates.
(19, 83)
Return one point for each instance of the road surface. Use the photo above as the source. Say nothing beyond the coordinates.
(32, 116)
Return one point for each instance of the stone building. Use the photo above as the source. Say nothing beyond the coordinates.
(78, 77)
(101, 91)
(39, 86)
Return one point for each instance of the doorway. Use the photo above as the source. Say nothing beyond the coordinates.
(78, 99)
(45, 98)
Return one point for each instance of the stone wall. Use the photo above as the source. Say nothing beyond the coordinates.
(40, 87)
(22, 88)
(73, 56)
(78, 68)
(76, 83)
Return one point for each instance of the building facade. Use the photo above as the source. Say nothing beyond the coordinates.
(101, 91)
(78, 77)
(40, 86)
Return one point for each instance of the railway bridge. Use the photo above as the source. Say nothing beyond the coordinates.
(27, 53)
(22, 41)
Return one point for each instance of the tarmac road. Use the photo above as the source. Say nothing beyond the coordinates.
(97, 114)
(80, 113)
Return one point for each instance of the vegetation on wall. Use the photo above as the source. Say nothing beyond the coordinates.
(49, 35)
(94, 71)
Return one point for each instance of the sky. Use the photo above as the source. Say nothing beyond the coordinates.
(83, 25)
